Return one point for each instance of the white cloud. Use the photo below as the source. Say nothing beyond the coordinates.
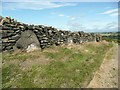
(61, 14)
(107, 27)
(110, 11)
(73, 18)
(74, 26)
(35, 5)
(40, 8)
(114, 14)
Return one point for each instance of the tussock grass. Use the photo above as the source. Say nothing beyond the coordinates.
(67, 68)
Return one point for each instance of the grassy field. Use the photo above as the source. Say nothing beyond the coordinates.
(70, 66)
(111, 36)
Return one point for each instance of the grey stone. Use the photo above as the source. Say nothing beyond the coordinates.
(27, 38)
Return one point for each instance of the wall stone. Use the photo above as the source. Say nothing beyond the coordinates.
(11, 32)
(27, 41)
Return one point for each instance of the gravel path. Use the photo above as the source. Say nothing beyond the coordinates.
(107, 75)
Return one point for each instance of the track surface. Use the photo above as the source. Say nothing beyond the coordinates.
(107, 75)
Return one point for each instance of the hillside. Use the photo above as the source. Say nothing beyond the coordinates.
(111, 36)
(65, 66)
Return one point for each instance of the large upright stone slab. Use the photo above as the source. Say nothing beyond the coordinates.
(28, 41)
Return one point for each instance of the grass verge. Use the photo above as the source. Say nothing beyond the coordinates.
(68, 68)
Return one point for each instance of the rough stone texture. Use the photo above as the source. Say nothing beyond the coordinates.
(11, 31)
(27, 41)
(31, 47)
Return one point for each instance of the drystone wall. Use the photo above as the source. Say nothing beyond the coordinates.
(12, 31)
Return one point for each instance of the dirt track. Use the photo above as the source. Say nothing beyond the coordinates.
(119, 66)
(107, 75)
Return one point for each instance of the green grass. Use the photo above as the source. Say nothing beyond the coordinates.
(66, 69)
(59, 55)
(22, 57)
(110, 37)
(110, 54)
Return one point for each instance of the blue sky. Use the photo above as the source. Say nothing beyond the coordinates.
(73, 16)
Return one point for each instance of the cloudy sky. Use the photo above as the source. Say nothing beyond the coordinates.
(73, 16)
